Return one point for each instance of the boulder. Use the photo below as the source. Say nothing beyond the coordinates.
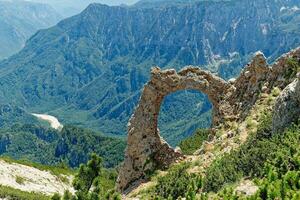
(287, 107)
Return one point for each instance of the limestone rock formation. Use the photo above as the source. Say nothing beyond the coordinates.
(287, 107)
(147, 151)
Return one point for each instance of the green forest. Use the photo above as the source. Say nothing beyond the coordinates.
(70, 147)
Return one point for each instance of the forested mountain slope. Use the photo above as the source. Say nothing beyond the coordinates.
(71, 146)
(89, 69)
(19, 20)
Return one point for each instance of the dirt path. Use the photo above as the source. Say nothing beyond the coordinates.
(54, 123)
(31, 179)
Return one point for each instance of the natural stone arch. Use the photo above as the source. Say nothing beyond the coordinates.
(146, 150)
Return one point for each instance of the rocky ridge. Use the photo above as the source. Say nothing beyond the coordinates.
(232, 101)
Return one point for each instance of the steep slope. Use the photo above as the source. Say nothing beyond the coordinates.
(89, 69)
(10, 114)
(69, 8)
(42, 182)
(19, 20)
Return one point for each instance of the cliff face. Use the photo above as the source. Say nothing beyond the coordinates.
(96, 63)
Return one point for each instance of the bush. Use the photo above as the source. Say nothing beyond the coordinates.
(20, 180)
(193, 143)
(178, 183)
(15, 194)
(279, 175)
(249, 160)
(93, 182)
(56, 196)
(293, 68)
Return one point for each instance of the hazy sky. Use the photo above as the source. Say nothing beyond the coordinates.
(82, 2)
(71, 7)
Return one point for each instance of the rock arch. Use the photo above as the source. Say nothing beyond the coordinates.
(232, 101)
(146, 150)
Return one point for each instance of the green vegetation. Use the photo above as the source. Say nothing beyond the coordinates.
(70, 147)
(248, 160)
(55, 170)
(20, 180)
(15, 194)
(193, 143)
(279, 176)
(293, 68)
(178, 183)
(271, 160)
(92, 182)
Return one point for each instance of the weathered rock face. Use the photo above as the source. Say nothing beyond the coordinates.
(287, 107)
(258, 76)
(147, 151)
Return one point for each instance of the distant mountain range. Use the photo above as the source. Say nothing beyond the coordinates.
(69, 8)
(19, 20)
(88, 69)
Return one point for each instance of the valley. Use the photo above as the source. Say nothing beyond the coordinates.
(53, 121)
(85, 73)
(156, 99)
(19, 20)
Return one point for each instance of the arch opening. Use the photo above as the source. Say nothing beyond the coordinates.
(182, 113)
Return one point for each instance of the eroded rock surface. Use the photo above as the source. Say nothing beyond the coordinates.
(146, 150)
(232, 101)
(287, 107)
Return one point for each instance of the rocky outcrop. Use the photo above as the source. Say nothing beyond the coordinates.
(258, 76)
(232, 101)
(287, 107)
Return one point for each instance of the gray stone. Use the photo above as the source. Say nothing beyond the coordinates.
(287, 107)
(146, 150)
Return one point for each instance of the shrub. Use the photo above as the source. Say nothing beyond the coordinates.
(178, 183)
(56, 196)
(253, 159)
(193, 143)
(20, 180)
(293, 68)
(279, 175)
(11, 193)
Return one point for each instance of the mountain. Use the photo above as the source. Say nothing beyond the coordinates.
(19, 20)
(69, 8)
(160, 3)
(10, 114)
(88, 69)
(72, 146)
